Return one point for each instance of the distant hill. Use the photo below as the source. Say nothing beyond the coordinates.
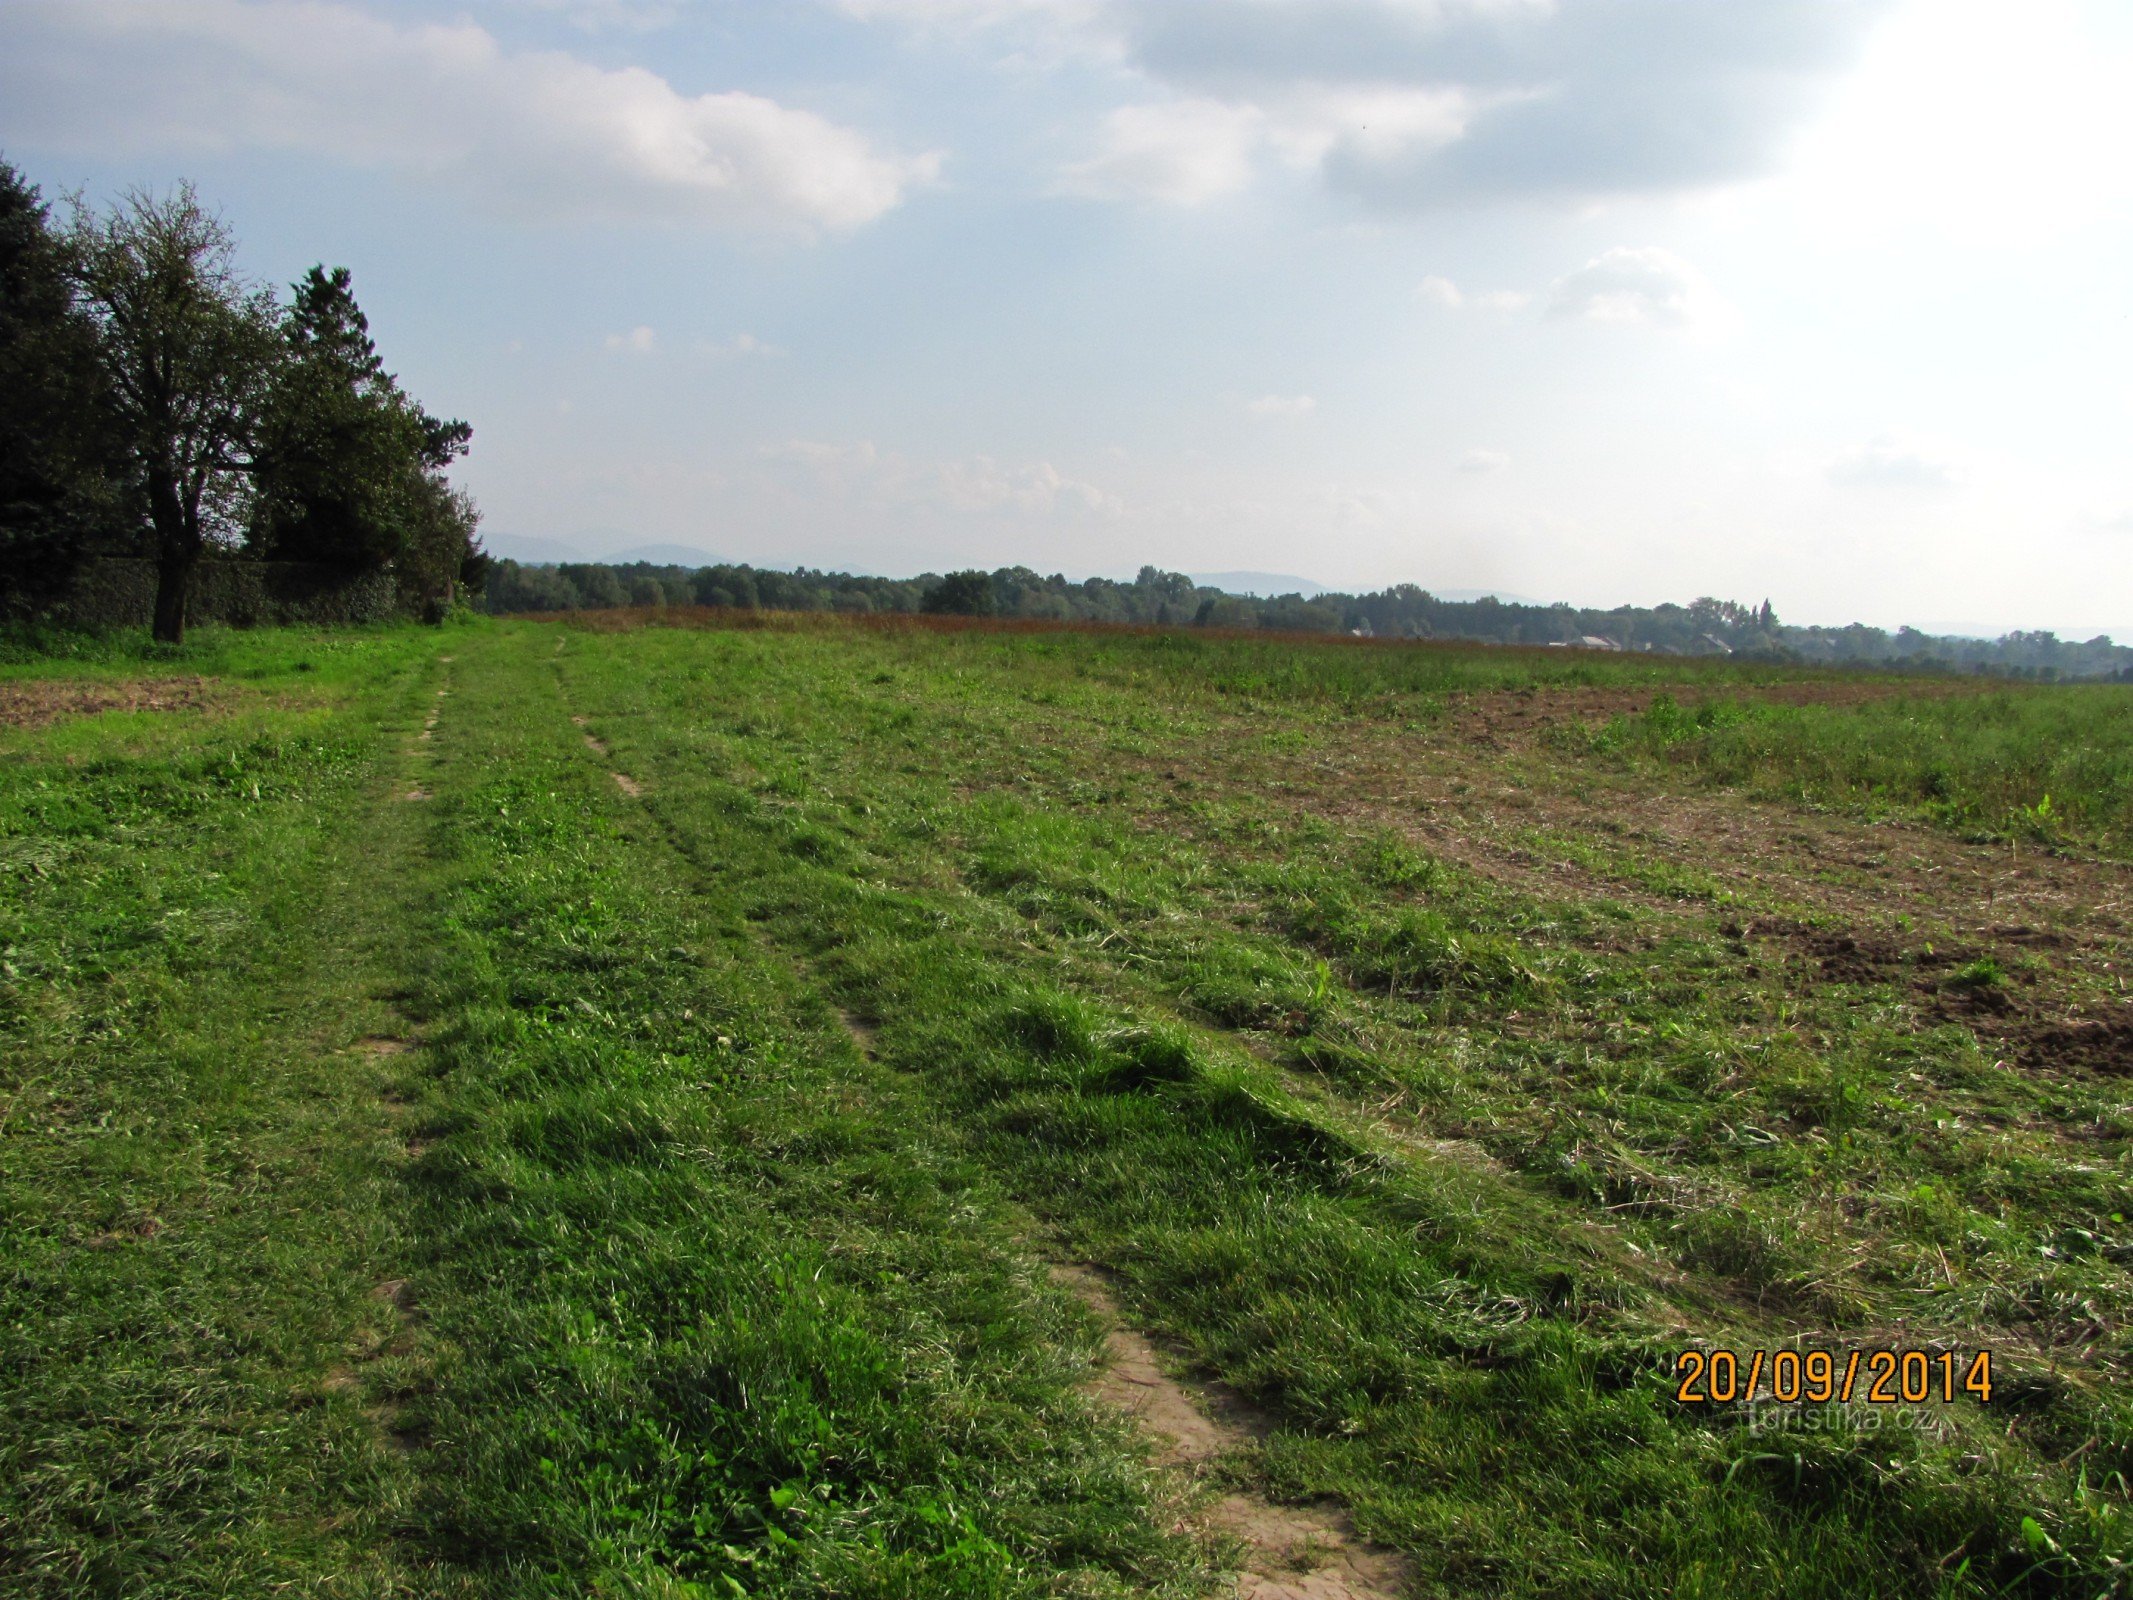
(1265, 585)
(665, 555)
(1487, 594)
(1262, 584)
(532, 552)
(528, 551)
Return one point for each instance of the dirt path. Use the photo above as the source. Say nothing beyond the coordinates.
(1309, 1552)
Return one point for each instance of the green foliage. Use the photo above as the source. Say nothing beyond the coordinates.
(1708, 630)
(340, 449)
(62, 483)
(960, 594)
(154, 401)
(350, 469)
(187, 348)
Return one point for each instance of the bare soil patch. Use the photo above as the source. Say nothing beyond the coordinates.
(1846, 899)
(1308, 1552)
(2102, 1047)
(862, 1033)
(39, 704)
(1963, 897)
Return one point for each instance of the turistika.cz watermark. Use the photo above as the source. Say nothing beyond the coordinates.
(1764, 1416)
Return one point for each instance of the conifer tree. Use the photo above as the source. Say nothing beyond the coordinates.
(61, 486)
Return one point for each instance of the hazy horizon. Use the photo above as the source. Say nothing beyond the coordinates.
(537, 552)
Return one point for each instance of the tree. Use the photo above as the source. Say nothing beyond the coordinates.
(61, 485)
(188, 348)
(351, 469)
(338, 448)
(441, 555)
(961, 594)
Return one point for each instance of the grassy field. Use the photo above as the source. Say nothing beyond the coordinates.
(625, 1110)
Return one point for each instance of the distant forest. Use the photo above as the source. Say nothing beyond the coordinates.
(1171, 599)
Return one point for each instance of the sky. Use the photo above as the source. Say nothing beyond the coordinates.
(1824, 301)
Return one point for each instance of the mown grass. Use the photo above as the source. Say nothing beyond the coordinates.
(1800, 1163)
(193, 1168)
(723, 1315)
(684, 1292)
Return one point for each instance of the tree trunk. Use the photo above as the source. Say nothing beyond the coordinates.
(175, 551)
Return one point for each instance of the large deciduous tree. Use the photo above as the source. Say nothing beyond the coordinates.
(188, 348)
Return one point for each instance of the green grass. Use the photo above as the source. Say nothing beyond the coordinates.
(2031, 763)
(1392, 1078)
(196, 1167)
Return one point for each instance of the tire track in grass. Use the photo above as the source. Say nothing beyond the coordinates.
(1303, 1552)
(395, 1373)
(1308, 1552)
(720, 1313)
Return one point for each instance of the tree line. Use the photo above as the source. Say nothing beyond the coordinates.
(155, 402)
(1171, 599)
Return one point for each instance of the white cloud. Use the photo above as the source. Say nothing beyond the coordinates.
(602, 16)
(638, 341)
(983, 484)
(1532, 97)
(1407, 103)
(1444, 292)
(1994, 129)
(1282, 405)
(1479, 461)
(1184, 152)
(1893, 461)
(1646, 287)
(740, 347)
(1085, 19)
(1418, 102)
(539, 133)
(1309, 124)
(1192, 150)
(973, 484)
(970, 15)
